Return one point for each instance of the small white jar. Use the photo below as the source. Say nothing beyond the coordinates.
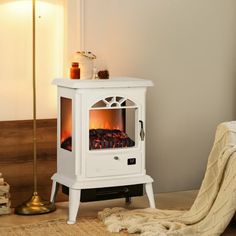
(85, 60)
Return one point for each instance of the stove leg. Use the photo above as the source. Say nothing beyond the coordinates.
(55, 187)
(128, 200)
(150, 195)
(74, 201)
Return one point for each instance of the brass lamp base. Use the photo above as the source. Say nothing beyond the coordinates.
(35, 206)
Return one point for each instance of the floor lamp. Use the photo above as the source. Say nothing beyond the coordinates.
(35, 205)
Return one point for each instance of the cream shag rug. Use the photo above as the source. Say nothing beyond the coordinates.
(84, 227)
(212, 210)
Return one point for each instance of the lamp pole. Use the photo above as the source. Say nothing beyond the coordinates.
(34, 96)
(35, 205)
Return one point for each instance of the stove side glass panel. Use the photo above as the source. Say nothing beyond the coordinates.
(66, 123)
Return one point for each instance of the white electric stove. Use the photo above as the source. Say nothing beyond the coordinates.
(100, 136)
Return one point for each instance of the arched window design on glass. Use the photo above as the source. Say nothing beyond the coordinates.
(112, 123)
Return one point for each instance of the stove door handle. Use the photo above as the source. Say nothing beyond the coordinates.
(142, 133)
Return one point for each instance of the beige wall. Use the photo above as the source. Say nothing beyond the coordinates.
(16, 57)
(188, 48)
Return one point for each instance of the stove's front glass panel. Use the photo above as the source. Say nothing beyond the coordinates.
(66, 123)
(112, 124)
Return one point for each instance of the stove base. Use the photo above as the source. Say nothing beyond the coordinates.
(75, 187)
(98, 194)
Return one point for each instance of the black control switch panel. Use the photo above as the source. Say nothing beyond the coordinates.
(131, 161)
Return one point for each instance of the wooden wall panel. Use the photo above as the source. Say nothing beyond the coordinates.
(16, 157)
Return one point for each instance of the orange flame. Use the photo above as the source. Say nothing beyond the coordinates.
(106, 119)
(66, 118)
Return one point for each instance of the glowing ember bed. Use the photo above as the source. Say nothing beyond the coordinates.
(101, 137)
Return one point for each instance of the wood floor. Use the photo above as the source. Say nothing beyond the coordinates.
(175, 200)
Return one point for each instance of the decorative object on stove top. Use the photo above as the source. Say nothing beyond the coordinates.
(4, 197)
(101, 140)
(95, 75)
(85, 60)
(35, 205)
(75, 71)
(103, 74)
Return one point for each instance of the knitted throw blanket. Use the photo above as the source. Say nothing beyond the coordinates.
(212, 210)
